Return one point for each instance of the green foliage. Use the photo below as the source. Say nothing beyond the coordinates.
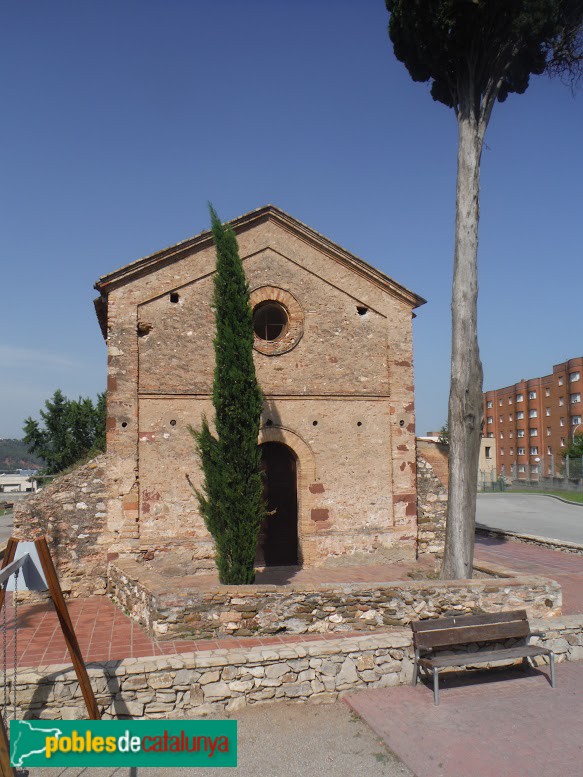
(444, 434)
(575, 447)
(492, 45)
(14, 454)
(231, 500)
(72, 430)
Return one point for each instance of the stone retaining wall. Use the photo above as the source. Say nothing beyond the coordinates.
(226, 680)
(199, 683)
(170, 611)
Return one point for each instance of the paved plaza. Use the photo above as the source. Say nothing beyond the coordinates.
(495, 724)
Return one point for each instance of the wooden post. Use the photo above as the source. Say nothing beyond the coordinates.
(56, 593)
(8, 558)
(67, 627)
(6, 769)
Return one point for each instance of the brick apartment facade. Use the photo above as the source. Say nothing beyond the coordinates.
(533, 420)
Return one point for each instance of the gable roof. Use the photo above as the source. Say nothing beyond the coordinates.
(174, 253)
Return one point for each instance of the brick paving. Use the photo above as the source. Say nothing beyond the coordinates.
(565, 568)
(496, 724)
(105, 633)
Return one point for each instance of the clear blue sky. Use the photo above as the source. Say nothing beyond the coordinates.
(121, 119)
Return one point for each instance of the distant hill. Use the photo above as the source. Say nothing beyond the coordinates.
(15, 455)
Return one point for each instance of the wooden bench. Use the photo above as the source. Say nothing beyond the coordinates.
(430, 635)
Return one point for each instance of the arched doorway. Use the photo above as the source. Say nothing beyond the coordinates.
(278, 538)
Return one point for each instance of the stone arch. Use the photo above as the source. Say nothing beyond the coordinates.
(303, 452)
(306, 474)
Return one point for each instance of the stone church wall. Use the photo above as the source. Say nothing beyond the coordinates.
(342, 398)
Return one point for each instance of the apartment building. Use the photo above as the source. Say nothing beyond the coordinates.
(533, 420)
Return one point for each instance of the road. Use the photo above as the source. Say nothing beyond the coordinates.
(5, 526)
(535, 514)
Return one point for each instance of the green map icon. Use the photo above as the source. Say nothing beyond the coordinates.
(107, 743)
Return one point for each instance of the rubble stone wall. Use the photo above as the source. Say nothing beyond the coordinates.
(72, 513)
(432, 485)
(300, 609)
(210, 681)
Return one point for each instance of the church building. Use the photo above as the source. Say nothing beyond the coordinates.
(334, 358)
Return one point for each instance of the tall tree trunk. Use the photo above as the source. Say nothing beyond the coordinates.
(465, 396)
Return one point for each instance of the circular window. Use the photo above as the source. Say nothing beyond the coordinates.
(270, 321)
(278, 320)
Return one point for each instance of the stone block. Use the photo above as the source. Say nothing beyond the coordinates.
(294, 690)
(196, 695)
(365, 662)
(209, 677)
(329, 668)
(134, 709)
(262, 695)
(163, 680)
(73, 713)
(184, 677)
(388, 680)
(369, 676)
(134, 682)
(348, 676)
(276, 670)
(241, 686)
(216, 691)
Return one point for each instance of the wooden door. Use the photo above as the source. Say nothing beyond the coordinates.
(279, 532)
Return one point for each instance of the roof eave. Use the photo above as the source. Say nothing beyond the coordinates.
(173, 253)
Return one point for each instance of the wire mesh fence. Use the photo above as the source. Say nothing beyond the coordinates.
(550, 472)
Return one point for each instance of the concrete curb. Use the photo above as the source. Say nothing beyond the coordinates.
(533, 493)
(569, 547)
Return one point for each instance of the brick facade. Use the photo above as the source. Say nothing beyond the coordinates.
(338, 388)
(534, 420)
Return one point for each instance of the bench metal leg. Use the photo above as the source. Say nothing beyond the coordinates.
(552, 657)
(415, 671)
(435, 685)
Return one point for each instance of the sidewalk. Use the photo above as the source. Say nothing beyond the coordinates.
(565, 568)
(498, 724)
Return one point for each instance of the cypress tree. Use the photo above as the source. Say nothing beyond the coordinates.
(231, 500)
